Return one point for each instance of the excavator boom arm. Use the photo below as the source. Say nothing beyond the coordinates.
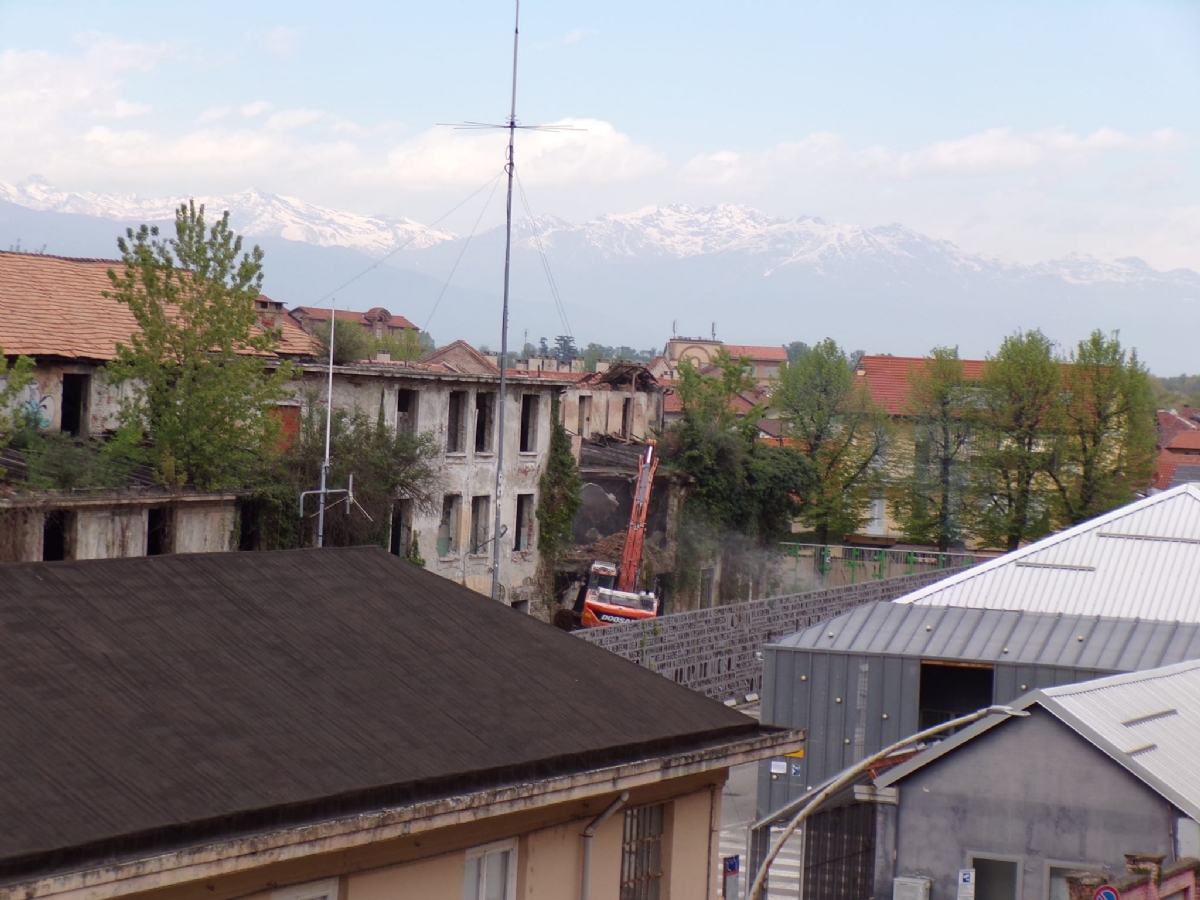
(631, 559)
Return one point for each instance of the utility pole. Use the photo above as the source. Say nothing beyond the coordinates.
(503, 401)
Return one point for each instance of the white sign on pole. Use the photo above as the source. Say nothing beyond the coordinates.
(966, 884)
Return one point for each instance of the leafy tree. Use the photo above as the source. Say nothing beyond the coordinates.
(742, 493)
(14, 377)
(795, 350)
(930, 501)
(351, 343)
(1016, 427)
(1106, 448)
(559, 494)
(543, 349)
(833, 422)
(409, 345)
(200, 362)
(387, 466)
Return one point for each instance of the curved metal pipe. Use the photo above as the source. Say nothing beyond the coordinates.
(588, 833)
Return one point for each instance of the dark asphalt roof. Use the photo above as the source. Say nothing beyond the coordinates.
(151, 702)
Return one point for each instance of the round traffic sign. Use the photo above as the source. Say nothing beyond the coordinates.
(1106, 892)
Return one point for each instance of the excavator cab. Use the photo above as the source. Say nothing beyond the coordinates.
(600, 603)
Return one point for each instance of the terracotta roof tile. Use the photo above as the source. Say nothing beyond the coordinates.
(887, 378)
(771, 354)
(55, 306)
(1186, 441)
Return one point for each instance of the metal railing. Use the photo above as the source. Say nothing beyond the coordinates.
(835, 565)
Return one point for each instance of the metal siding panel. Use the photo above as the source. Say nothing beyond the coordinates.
(893, 700)
(875, 700)
(910, 696)
(1004, 684)
(820, 699)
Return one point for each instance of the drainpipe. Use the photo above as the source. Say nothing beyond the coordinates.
(587, 842)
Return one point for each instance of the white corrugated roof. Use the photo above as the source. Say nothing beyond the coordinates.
(1139, 561)
(1148, 722)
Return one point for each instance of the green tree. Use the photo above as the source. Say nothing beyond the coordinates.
(1107, 430)
(741, 492)
(930, 499)
(833, 422)
(559, 494)
(1016, 429)
(200, 364)
(14, 377)
(387, 466)
(351, 343)
(409, 345)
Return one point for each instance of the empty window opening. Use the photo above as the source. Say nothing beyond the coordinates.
(447, 543)
(157, 532)
(950, 690)
(402, 526)
(525, 519)
(406, 411)
(529, 422)
(73, 416)
(480, 509)
(249, 521)
(627, 418)
(456, 425)
(585, 417)
(641, 853)
(995, 879)
(485, 414)
(55, 532)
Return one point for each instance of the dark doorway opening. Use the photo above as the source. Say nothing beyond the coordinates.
(995, 879)
(54, 535)
(950, 690)
(73, 417)
(156, 533)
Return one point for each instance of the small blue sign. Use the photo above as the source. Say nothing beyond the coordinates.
(1106, 892)
(795, 770)
(733, 865)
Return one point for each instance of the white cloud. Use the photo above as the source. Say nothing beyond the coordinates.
(577, 35)
(281, 42)
(289, 119)
(594, 153)
(215, 114)
(255, 109)
(991, 152)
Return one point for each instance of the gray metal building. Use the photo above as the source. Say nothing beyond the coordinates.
(867, 678)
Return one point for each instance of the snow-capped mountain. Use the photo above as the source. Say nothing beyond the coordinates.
(629, 278)
(256, 213)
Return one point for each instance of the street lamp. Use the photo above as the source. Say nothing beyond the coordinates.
(857, 769)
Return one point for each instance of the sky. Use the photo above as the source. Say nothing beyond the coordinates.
(1024, 130)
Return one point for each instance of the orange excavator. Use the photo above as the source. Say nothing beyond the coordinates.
(610, 595)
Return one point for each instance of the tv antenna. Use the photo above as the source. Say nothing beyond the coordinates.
(512, 127)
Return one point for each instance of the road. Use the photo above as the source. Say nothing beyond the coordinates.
(737, 815)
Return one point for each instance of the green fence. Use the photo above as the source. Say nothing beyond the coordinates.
(832, 565)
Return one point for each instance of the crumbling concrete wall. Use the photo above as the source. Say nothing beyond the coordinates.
(109, 533)
(203, 528)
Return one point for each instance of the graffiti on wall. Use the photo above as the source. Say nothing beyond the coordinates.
(34, 406)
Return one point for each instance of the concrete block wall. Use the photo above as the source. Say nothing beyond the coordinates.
(716, 651)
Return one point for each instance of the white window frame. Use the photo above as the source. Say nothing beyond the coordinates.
(313, 890)
(509, 846)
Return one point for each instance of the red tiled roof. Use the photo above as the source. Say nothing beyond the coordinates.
(1171, 423)
(887, 378)
(55, 306)
(1185, 441)
(321, 314)
(1165, 468)
(758, 354)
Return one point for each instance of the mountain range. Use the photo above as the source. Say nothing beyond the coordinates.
(635, 278)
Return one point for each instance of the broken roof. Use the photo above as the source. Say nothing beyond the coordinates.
(152, 701)
(54, 306)
(1147, 722)
(1139, 561)
(370, 317)
(461, 358)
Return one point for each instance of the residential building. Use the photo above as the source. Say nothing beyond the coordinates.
(377, 322)
(701, 352)
(339, 725)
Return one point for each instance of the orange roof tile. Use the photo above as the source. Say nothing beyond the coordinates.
(1186, 441)
(764, 354)
(55, 306)
(1165, 468)
(887, 378)
(321, 314)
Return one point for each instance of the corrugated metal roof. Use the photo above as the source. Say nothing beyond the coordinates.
(1147, 722)
(1102, 643)
(1139, 561)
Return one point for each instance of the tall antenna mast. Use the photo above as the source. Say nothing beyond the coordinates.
(503, 402)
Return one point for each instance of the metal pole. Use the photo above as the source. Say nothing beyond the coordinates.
(328, 426)
(503, 400)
